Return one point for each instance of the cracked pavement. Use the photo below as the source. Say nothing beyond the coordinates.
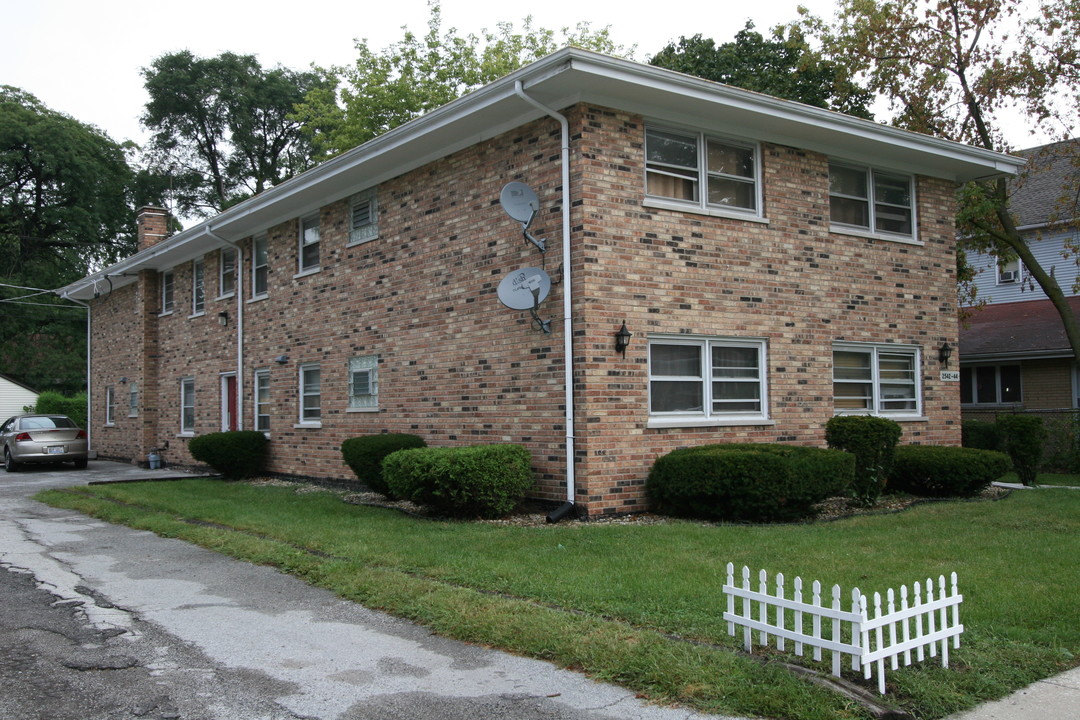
(106, 622)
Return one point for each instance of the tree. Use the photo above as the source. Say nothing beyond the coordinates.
(387, 88)
(783, 66)
(951, 68)
(223, 128)
(65, 191)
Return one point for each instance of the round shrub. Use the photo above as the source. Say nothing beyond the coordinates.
(872, 441)
(235, 454)
(475, 481)
(747, 482)
(981, 435)
(364, 456)
(936, 471)
(1023, 437)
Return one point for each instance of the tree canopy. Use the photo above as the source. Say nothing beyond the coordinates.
(386, 88)
(65, 210)
(782, 65)
(223, 127)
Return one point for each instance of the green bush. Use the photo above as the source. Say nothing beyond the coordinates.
(476, 481)
(981, 435)
(53, 403)
(747, 482)
(235, 454)
(1023, 437)
(364, 456)
(872, 441)
(937, 471)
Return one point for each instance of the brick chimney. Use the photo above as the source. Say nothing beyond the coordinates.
(153, 226)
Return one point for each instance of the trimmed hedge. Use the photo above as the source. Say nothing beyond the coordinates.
(475, 481)
(51, 402)
(747, 482)
(235, 454)
(872, 440)
(981, 435)
(935, 471)
(1023, 437)
(364, 456)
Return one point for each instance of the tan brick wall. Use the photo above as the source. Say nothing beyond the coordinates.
(456, 367)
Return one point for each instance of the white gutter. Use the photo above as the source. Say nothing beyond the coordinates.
(239, 324)
(568, 320)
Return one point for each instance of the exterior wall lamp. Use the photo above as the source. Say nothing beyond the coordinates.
(223, 318)
(622, 339)
(944, 353)
(281, 359)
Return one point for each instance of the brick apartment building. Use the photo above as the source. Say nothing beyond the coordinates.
(776, 264)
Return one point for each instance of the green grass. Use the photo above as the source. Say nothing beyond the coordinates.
(622, 602)
(1046, 478)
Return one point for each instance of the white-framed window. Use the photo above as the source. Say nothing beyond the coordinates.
(702, 170)
(991, 384)
(133, 399)
(1010, 272)
(262, 400)
(707, 379)
(310, 394)
(260, 266)
(166, 283)
(110, 405)
(309, 243)
(364, 217)
(364, 382)
(227, 272)
(871, 200)
(198, 287)
(873, 379)
(187, 406)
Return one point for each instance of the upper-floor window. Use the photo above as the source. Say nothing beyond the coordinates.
(166, 283)
(227, 272)
(1010, 272)
(697, 169)
(707, 379)
(876, 380)
(863, 198)
(309, 243)
(363, 382)
(260, 266)
(990, 384)
(198, 287)
(364, 217)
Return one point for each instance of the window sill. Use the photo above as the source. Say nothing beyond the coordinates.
(676, 206)
(354, 243)
(362, 410)
(676, 422)
(108, 424)
(308, 426)
(165, 314)
(309, 271)
(199, 314)
(869, 235)
(226, 296)
(887, 416)
(257, 298)
(185, 434)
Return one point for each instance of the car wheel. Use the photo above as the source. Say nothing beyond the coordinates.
(80, 464)
(9, 462)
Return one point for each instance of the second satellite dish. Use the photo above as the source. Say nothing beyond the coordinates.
(524, 289)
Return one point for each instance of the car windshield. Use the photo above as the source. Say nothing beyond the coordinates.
(45, 423)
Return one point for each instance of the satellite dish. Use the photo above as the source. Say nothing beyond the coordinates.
(520, 202)
(524, 289)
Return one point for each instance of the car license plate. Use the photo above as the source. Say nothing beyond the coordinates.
(55, 449)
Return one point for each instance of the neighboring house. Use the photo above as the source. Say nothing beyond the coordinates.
(775, 264)
(1013, 351)
(14, 397)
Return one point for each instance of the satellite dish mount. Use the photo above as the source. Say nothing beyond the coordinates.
(521, 203)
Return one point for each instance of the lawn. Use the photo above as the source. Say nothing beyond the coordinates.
(642, 605)
(1046, 478)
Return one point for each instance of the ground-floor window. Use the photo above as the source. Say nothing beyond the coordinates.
(990, 384)
(110, 405)
(363, 382)
(187, 406)
(262, 400)
(695, 379)
(310, 393)
(876, 379)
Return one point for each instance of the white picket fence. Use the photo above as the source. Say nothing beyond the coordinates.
(923, 623)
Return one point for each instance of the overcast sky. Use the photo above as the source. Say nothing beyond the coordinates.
(84, 58)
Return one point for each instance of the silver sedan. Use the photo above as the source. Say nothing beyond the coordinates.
(42, 439)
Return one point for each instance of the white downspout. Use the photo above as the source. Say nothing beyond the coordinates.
(568, 329)
(239, 325)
